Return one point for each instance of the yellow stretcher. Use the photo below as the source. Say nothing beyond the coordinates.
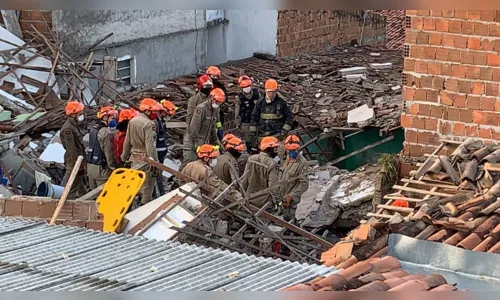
(117, 196)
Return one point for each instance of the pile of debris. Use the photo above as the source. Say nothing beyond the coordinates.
(340, 201)
(449, 199)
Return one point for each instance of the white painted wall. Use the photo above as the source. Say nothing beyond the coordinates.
(251, 31)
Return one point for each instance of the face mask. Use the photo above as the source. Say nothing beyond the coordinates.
(153, 115)
(268, 100)
(80, 118)
(293, 154)
(235, 153)
(112, 123)
(215, 105)
(247, 90)
(212, 163)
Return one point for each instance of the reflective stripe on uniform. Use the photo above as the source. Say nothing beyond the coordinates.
(218, 125)
(252, 128)
(270, 117)
(258, 163)
(287, 127)
(161, 139)
(161, 149)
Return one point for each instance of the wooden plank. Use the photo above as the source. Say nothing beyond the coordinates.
(495, 167)
(65, 193)
(419, 191)
(443, 186)
(377, 215)
(151, 217)
(396, 208)
(399, 197)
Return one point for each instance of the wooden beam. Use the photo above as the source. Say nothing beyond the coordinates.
(398, 197)
(65, 194)
(443, 186)
(419, 191)
(396, 208)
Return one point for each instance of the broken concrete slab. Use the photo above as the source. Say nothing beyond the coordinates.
(360, 114)
(355, 77)
(353, 70)
(54, 151)
(382, 66)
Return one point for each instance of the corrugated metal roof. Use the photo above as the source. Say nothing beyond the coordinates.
(38, 256)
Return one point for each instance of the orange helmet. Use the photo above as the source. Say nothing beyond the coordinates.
(226, 138)
(244, 81)
(271, 85)
(127, 114)
(213, 71)
(168, 106)
(292, 143)
(106, 111)
(236, 144)
(207, 151)
(218, 95)
(149, 104)
(269, 142)
(74, 107)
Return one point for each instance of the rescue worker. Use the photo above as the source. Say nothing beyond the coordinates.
(168, 111)
(242, 159)
(272, 116)
(140, 142)
(124, 117)
(214, 73)
(244, 105)
(72, 141)
(227, 164)
(263, 172)
(294, 166)
(201, 129)
(200, 169)
(100, 156)
(205, 86)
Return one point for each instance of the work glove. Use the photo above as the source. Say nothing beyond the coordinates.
(278, 207)
(287, 201)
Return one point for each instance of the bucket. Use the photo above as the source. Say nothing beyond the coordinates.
(47, 189)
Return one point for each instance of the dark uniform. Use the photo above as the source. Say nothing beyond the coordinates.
(99, 156)
(72, 141)
(243, 115)
(224, 107)
(271, 119)
(161, 139)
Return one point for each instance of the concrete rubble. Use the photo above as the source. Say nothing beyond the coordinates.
(342, 201)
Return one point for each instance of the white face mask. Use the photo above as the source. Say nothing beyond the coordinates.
(247, 90)
(268, 100)
(212, 163)
(215, 105)
(80, 118)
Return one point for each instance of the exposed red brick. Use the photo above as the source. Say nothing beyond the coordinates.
(433, 68)
(459, 129)
(442, 25)
(451, 85)
(409, 65)
(448, 40)
(467, 57)
(94, 225)
(429, 53)
(408, 93)
(431, 124)
(459, 100)
(454, 55)
(461, 14)
(429, 24)
(436, 111)
(479, 117)
(480, 29)
(66, 212)
(466, 115)
(464, 86)
(424, 110)
(492, 89)
(418, 123)
(471, 130)
(461, 42)
(411, 136)
(446, 69)
(47, 209)
(416, 51)
(417, 23)
(423, 38)
(473, 102)
(13, 208)
(484, 133)
(455, 26)
(30, 208)
(473, 72)
(81, 210)
(438, 83)
(452, 114)
(421, 95)
(493, 59)
(448, 13)
(467, 27)
(442, 54)
(494, 30)
(423, 137)
(406, 121)
(459, 71)
(426, 82)
(488, 103)
(495, 74)
(487, 45)
(480, 58)
(474, 43)
(478, 88)
(435, 38)
(486, 74)
(487, 15)
(432, 96)
(423, 12)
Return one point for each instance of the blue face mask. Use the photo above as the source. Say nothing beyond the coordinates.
(112, 123)
(293, 154)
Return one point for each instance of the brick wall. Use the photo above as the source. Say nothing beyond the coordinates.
(451, 77)
(74, 213)
(395, 28)
(40, 19)
(301, 31)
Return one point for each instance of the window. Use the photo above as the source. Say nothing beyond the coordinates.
(125, 70)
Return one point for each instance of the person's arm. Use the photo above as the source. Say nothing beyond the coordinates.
(288, 118)
(150, 140)
(237, 108)
(127, 147)
(68, 140)
(214, 131)
(106, 142)
(255, 117)
(302, 186)
(195, 126)
(274, 183)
